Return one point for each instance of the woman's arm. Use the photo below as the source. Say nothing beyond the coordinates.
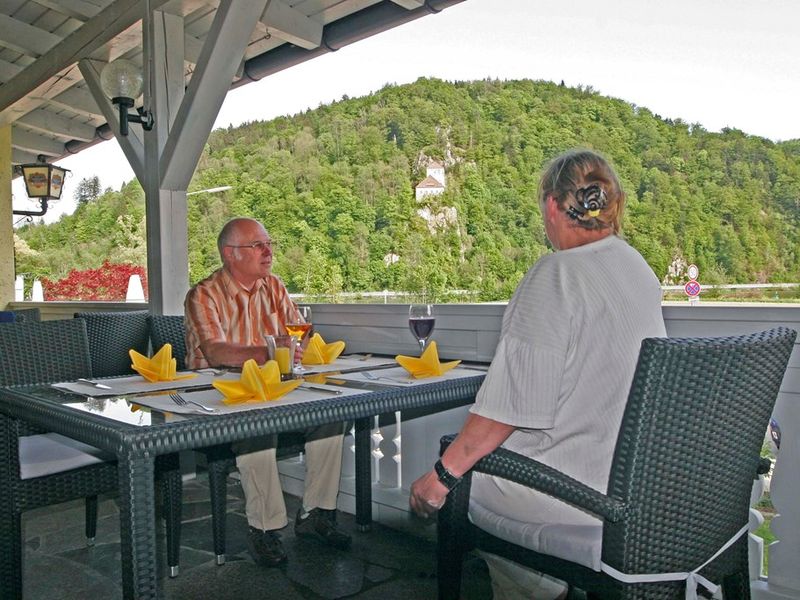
(478, 437)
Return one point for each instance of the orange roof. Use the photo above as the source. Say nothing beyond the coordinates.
(430, 182)
(435, 164)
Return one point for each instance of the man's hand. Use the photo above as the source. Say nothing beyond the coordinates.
(427, 495)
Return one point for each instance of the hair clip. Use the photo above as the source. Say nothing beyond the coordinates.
(592, 198)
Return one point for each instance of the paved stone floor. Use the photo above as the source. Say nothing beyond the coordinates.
(383, 564)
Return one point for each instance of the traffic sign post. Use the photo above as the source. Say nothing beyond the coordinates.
(692, 289)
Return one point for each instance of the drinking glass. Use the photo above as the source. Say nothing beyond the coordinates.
(421, 321)
(300, 329)
(280, 348)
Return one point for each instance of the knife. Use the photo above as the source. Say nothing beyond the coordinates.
(100, 386)
(305, 386)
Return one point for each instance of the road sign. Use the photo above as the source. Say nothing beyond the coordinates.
(692, 288)
(693, 271)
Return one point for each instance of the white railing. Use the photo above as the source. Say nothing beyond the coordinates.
(470, 331)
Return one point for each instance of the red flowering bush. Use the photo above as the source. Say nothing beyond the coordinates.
(109, 282)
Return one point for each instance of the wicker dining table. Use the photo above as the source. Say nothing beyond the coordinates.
(137, 443)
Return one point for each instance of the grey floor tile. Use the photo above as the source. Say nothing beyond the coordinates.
(384, 564)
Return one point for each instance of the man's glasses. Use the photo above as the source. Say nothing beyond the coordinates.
(260, 245)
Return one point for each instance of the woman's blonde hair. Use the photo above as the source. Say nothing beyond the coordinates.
(572, 176)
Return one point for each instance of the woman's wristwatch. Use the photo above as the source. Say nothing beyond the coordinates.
(447, 479)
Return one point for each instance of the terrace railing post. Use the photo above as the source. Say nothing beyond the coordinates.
(784, 555)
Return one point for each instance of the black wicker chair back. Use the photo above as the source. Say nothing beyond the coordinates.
(111, 335)
(680, 483)
(43, 352)
(39, 353)
(27, 315)
(169, 329)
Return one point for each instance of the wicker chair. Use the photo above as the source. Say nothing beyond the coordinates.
(680, 482)
(53, 468)
(220, 460)
(111, 335)
(169, 329)
(27, 315)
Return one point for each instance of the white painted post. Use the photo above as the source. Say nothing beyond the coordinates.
(37, 295)
(19, 289)
(398, 445)
(784, 554)
(135, 291)
(377, 453)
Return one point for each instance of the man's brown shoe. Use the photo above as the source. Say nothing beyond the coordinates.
(321, 524)
(265, 547)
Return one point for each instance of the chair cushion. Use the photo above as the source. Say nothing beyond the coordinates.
(580, 544)
(49, 453)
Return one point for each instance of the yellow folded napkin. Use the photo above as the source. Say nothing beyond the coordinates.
(161, 367)
(317, 352)
(256, 384)
(427, 365)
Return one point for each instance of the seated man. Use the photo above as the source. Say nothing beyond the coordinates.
(227, 316)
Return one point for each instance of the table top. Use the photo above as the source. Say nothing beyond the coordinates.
(119, 424)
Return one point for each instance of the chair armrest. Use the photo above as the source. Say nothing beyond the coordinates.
(534, 474)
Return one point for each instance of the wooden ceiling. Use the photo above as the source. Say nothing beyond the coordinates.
(43, 94)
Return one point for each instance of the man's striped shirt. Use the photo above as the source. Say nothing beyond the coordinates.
(220, 309)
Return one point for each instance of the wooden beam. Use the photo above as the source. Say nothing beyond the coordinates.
(167, 224)
(409, 4)
(79, 100)
(132, 144)
(47, 121)
(77, 9)
(33, 142)
(222, 52)
(20, 157)
(292, 25)
(109, 22)
(25, 38)
(8, 70)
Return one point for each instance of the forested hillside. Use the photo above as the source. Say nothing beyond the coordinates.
(335, 187)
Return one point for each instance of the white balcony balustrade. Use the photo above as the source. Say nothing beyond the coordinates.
(402, 450)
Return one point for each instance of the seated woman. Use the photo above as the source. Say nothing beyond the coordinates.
(557, 386)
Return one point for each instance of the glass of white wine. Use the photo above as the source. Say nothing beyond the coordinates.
(421, 321)
(300, 328)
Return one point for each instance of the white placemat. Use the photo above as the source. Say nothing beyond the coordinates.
(349, 362)
(398, 376)
(136, 384)
(213, 399)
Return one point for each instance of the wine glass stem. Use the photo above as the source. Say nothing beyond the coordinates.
(422, 345)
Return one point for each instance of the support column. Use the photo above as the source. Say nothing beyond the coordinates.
(167, 227)
(6, 220)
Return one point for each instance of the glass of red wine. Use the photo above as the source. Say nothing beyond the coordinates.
(421, 321)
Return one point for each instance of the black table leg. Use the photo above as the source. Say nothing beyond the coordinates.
(363, 474)
(137, 527)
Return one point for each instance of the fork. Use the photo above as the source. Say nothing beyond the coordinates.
(374, 377)
(181, 401)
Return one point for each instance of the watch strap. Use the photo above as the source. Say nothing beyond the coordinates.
(447, 479)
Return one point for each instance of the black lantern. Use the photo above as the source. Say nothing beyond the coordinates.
(43, 180)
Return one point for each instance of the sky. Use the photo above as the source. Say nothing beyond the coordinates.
(719, 63)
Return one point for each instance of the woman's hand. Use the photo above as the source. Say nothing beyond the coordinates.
(427, 495)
